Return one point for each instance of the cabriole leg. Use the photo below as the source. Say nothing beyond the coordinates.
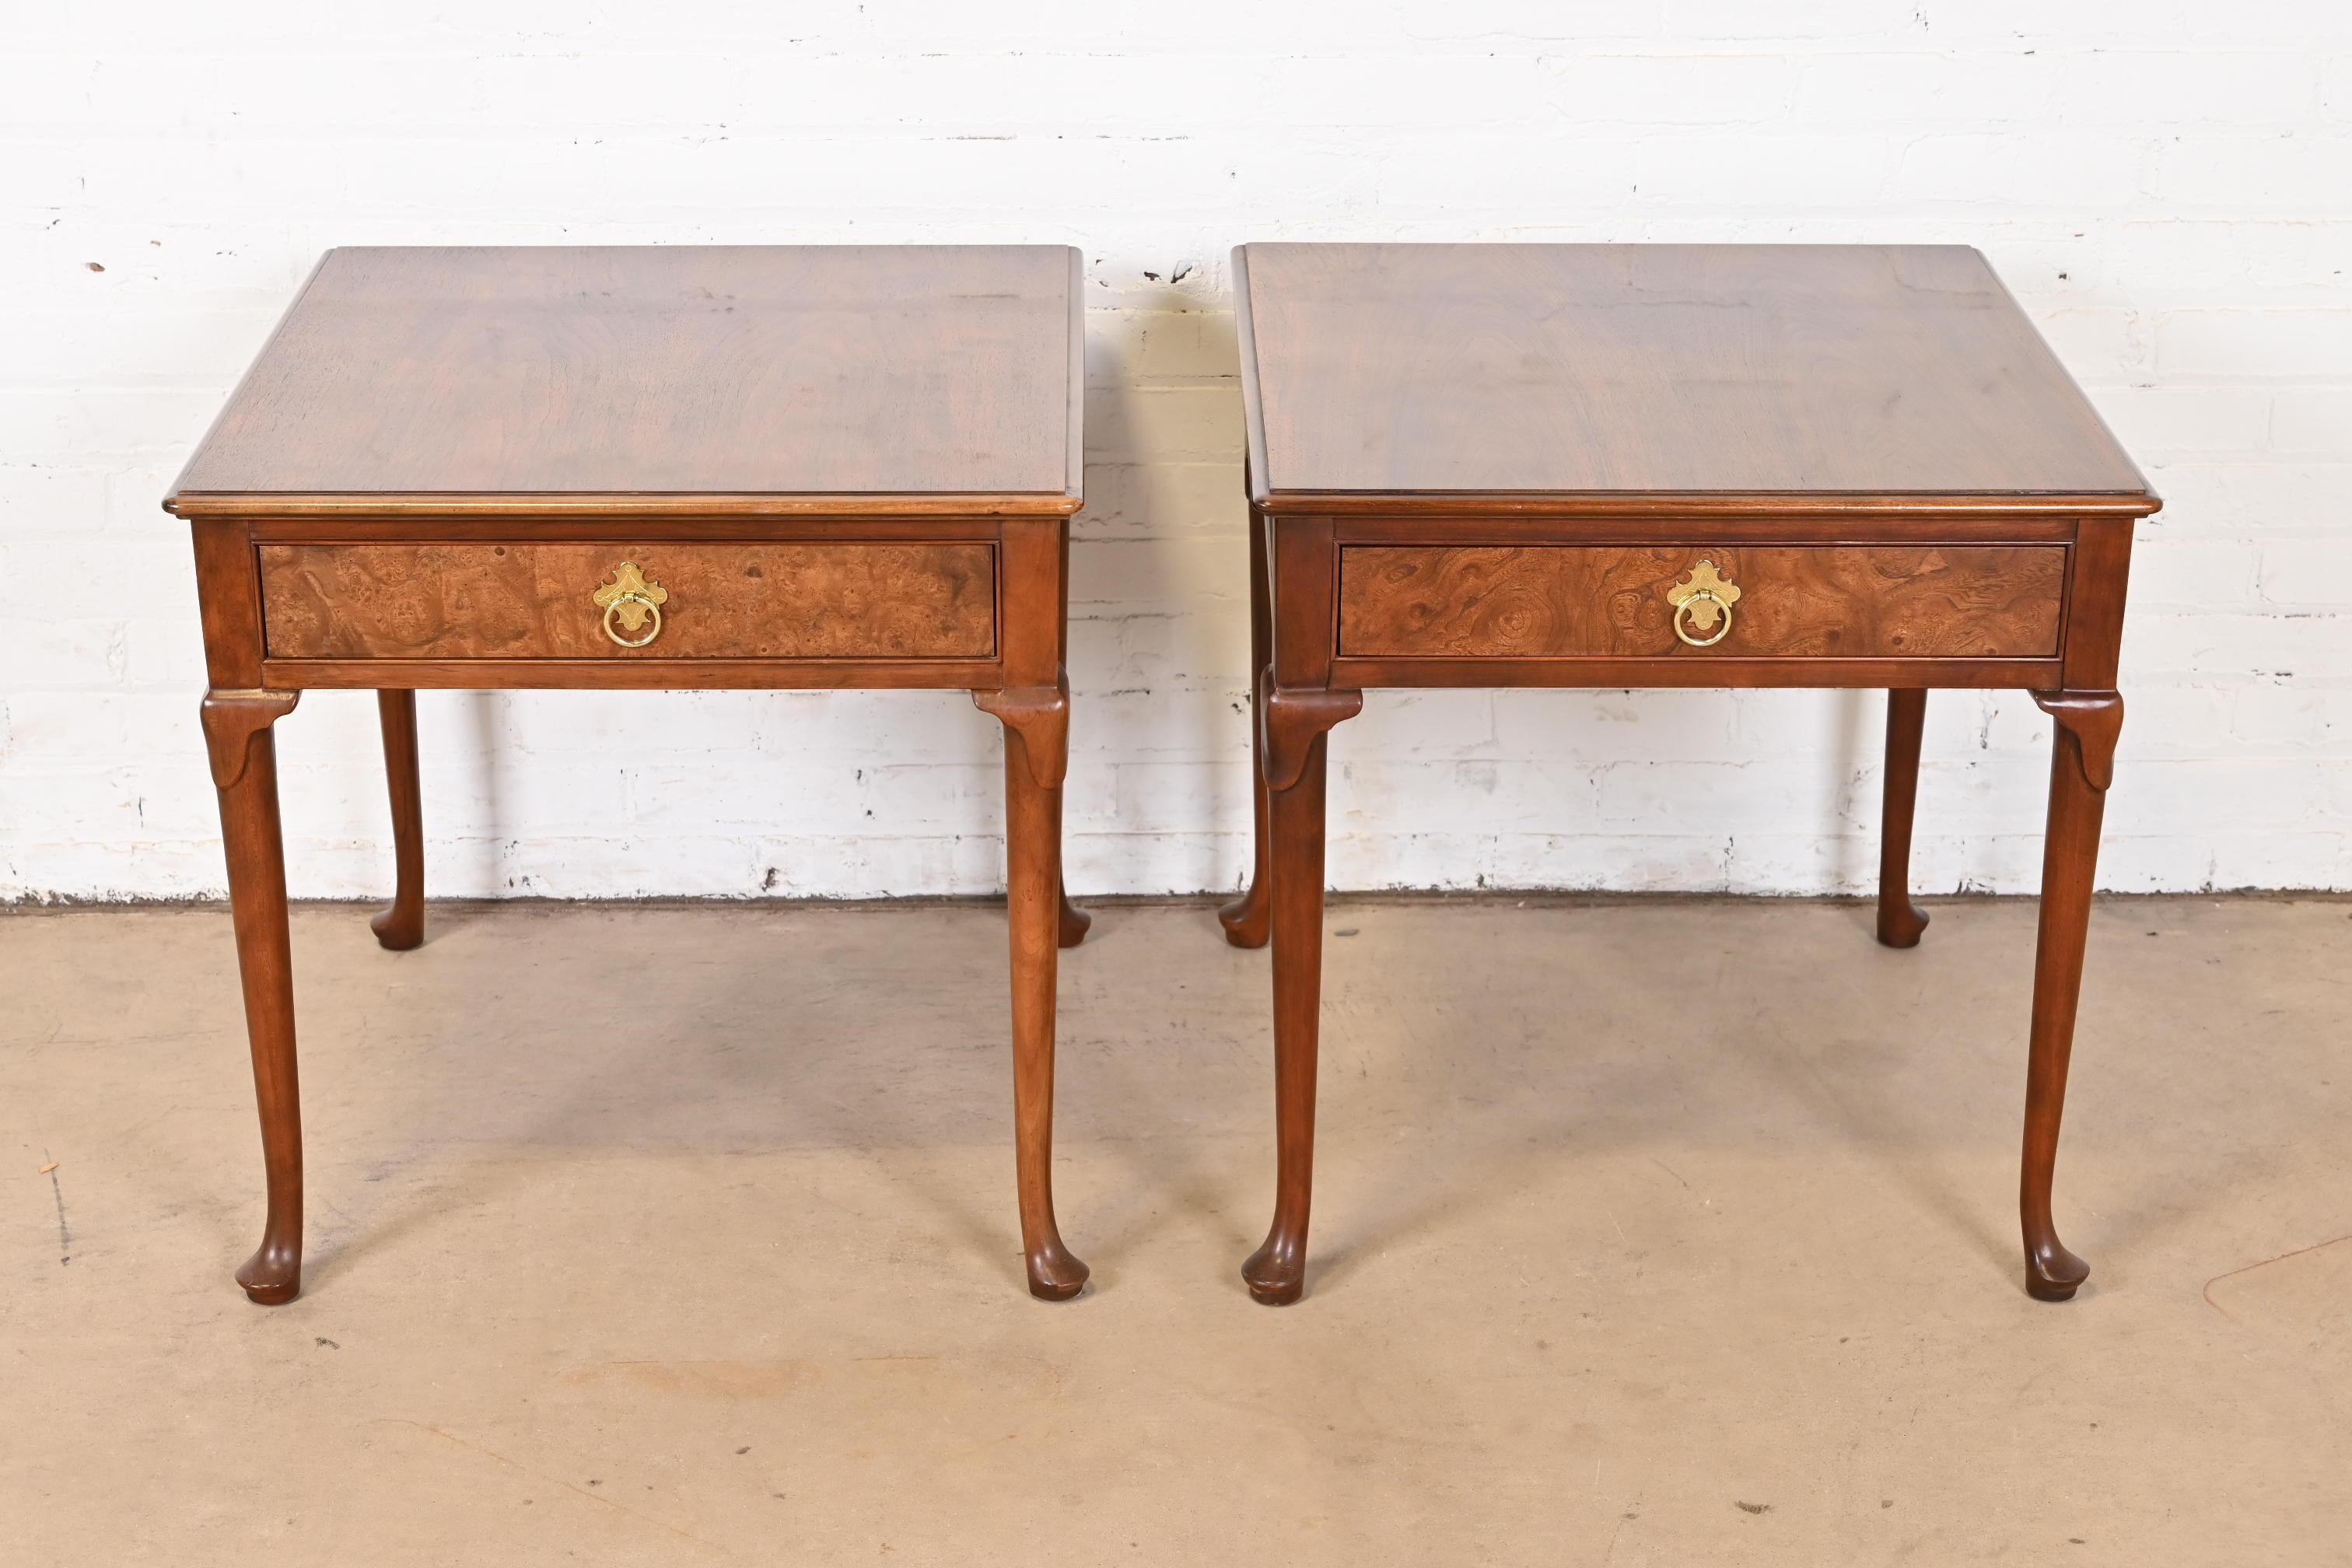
(245, 768)
(2081, 766)
(1900, 921)
(1037, 733)
(1072, 921)
(1297, 747)
(402, 926)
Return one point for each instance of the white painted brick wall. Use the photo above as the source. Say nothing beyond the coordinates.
(2167, 184)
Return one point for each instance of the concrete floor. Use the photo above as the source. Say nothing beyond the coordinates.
(1649, 1232)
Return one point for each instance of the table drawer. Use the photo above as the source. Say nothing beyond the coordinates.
(1774, 602)
(462, 601)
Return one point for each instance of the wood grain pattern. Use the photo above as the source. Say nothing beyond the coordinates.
(532, 601)
(1531, 375)
(438, 375)
(1567, 601)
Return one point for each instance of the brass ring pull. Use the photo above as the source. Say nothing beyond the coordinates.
(1700, 604)
(1698, 608)
(633, 602)
(632, 608)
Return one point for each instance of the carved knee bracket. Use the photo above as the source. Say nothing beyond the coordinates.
(1040, 715)
(2092, 720)
(1291, 719)
(231, 721)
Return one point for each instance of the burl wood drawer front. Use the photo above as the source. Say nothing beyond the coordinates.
(917, 600)
(1610, 601)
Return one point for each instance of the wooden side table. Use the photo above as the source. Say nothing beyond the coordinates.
(1670, 466)
(651, 467)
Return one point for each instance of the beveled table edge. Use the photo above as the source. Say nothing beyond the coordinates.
(847, 507)
(1699, 504)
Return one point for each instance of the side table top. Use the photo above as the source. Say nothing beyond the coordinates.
(1598, 378)
(748, 380)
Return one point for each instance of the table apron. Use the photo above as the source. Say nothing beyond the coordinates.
(1924, 528)
(634, 674)
(619, 528)
(2027, 674)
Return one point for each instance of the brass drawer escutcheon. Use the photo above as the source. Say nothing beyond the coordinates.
(1700, 603)
(633, 601)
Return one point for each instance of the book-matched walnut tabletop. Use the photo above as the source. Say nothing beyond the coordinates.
(1538, 465)
(932, 380)
(643, 466)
